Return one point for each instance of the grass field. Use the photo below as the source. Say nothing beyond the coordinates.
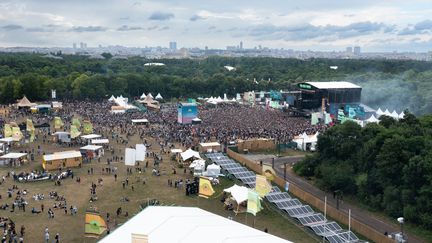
(71, 228)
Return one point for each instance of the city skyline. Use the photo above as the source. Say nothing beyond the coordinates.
(374, 25)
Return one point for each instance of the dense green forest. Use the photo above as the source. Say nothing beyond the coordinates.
(386, 166)
(389, 84)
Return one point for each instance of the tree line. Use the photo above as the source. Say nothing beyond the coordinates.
(387, 166)
(81, 77)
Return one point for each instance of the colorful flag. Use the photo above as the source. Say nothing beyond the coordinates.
(58, 123)
(88, 127)
(262, 186)
(74, 131)
(94, 224)
(253, 203)
(205, 188)
(76, 122)
(7, 131)
(16, 134)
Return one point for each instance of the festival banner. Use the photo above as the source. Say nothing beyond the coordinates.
(94, 224)
(74, 131)
(16, 134)
(88, 127)
(30, 126)
(7, 131)
(205, 188)
(58, 123)
(76, 122)
(253, 203)
(262, 186)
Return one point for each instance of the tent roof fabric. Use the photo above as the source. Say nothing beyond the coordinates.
(139, 120)
(62, 155)
(190, 154)
(174, 151)
(91, 136)
(24, 102)
(91, 147)
(100, 141)
(239, 193)
(197, 225)
(211, 144)
(13, 155)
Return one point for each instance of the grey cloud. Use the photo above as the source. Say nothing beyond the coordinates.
(128, 28)
(153, 27)
(12, 27)
(88, 29)
(35, 29)
(409, 31)
(308, 31)
(196, 17)
(424, 25)
(161, 16)
(164, 28)
(212, 27)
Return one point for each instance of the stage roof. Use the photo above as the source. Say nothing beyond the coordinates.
(334, 85)
(160, 224)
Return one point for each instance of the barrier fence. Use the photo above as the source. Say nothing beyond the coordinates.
(318, 203)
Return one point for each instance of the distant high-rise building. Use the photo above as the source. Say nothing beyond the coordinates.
(349, 49)
(357, 50)
(81, 45)
(173, 45)
(74, 45)
(241, 45)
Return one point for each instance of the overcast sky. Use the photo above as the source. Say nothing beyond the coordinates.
(375, 25)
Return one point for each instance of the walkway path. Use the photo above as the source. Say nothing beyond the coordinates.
(356, 212)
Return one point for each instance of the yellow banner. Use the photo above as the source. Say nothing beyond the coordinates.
(16, 133)
(58, 123)
(253, 203)
(268, 172)
(32, 136)
(88, 127)
(262, 186)
(7, 131)
(205, 188)
(30, 126)
(74, 131)
(76, 122)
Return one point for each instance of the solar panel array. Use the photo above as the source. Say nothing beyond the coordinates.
(291, 206)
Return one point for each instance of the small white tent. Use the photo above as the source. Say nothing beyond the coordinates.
(159, 97)
(395, 115)
(150, 95)
(213, 170)
(239, 193)
(111, 99)
(188, 154)
(379, 112)
(372, 119)
(142, 96)
(402, 115)
(387, 112)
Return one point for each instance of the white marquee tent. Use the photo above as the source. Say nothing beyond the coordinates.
(188, 154)
(160, 224)
(239, 193)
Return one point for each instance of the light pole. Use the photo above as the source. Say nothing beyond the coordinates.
(401, 221)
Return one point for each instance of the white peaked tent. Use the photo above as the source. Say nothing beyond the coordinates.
(213, 170)
(130, 156)
(142, 96)
(111, 99)
(198, 163)
(387, 112)
(395, 115)
(150, 95)
(402, 115)
(379, 112)
(225, 97)
(188, 154)
(159, 97)
(372, 119)
(239, 193)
